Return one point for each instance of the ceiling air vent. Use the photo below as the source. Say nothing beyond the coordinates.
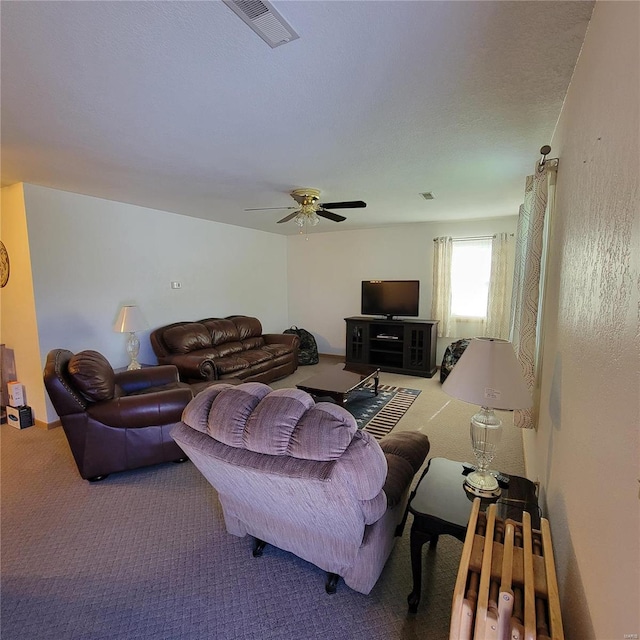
(264, 20)
(428, 195)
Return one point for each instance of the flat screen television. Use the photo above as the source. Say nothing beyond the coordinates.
(390, 298)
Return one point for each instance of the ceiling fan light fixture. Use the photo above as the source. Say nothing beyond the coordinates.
(310, 210)
(308, 207)
(307, 215)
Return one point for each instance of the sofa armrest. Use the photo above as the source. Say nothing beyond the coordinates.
(193, 367)
(145, 410)
(282, 338)
(410, 445)
(137, 380)
(405, 453)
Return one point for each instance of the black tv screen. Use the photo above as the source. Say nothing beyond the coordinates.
(390, 297)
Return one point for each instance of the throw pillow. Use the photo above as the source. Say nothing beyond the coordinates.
(92, 375)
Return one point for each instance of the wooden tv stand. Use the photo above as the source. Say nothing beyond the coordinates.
(395, 346)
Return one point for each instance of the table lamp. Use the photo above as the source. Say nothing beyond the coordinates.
(488, 374)
(129, 321)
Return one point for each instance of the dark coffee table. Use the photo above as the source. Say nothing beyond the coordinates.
(441, 505)
(339, 381)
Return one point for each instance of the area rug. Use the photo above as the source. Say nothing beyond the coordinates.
(379, 414)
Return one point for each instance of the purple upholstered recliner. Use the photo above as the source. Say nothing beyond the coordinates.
(302, 477)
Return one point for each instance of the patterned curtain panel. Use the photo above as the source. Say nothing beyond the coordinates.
(499, 287)
(525, 299)
(441, 290)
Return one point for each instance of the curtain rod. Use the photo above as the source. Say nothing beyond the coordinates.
(474, 238)
(550, 163)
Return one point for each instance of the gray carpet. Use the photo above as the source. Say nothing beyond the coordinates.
(144, 554)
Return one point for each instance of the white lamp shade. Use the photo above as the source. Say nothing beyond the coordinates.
(488, 374)
(130, 319)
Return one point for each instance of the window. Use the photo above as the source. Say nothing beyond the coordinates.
(472, 281)
(470, 276)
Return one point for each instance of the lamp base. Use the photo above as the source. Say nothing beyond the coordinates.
(133, 348)
(482, 484)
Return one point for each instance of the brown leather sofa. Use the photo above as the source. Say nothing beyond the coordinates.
(116, 421)
(226, 348)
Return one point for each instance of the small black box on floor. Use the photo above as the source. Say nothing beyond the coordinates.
(20, 417)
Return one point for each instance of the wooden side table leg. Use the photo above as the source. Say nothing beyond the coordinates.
(400, 528)
(417, 540)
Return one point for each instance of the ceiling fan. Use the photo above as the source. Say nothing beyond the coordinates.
(309, 208)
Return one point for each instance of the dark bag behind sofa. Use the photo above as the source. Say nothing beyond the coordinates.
(452, 354)
(308, 351)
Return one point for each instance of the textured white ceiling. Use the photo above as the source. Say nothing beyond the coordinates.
(179, 106)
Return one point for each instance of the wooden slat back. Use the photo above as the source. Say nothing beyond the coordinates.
(529, 589)
(555, 617)
(486, 617)
(460, 613)
(506, 588)
(505, 606)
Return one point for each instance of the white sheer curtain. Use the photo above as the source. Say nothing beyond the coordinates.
(441, 290)
(497, 325)
(527, 279)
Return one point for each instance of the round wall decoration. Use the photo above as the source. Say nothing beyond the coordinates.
(4, 265)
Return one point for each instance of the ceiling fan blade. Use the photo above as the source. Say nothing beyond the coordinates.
(329, 215)
(291, 216)
(270, 208)
(354, 204)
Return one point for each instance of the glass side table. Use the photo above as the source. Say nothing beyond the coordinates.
(441, 505)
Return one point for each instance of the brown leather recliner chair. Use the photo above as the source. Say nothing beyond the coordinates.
(116, 421)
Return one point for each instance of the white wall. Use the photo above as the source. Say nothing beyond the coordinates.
(586, 451)
(89, 256)
(325, 271)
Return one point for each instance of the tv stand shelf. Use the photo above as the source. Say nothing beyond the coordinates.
(395, 346)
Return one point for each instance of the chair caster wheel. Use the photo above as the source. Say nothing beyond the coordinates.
(332, 583)
(258, 548)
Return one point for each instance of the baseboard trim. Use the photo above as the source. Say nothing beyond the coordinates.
(333, 356)
(41, 424)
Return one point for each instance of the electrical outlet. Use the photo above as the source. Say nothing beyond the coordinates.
(176, 285)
